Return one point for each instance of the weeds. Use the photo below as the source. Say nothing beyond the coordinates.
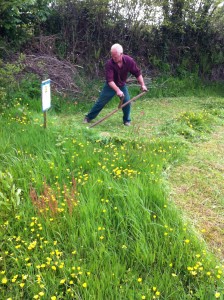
(48, 203)
(192, 126)
(9, 195)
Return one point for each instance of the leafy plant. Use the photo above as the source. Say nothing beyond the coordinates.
(9, 82)
(8, 71)
(10, 195)
(2, 95)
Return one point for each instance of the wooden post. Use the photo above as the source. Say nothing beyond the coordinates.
(45, 119)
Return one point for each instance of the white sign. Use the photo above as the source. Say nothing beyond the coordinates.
(46, 94)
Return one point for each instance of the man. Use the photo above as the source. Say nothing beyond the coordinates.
(117, 69)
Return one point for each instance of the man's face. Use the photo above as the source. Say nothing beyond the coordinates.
(117, 57)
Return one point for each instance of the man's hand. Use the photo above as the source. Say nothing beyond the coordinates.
(120, 94)
(144, 88)
(142, 83)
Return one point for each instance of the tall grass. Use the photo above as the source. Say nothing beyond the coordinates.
(94, 220)
(187, 86)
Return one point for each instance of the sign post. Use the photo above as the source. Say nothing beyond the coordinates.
(46, 98)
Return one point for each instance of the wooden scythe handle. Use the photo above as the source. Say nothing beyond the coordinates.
(115, 110)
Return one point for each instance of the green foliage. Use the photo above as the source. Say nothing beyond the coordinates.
(10, 196)
(200, 121)
(16, 111)
(184, 35)
(29, 92)
(187, 84)
(19, 19)
(8, 72)
(2, 95)
(8, 82)
(13, 89)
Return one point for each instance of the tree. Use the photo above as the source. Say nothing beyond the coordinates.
(19, 19)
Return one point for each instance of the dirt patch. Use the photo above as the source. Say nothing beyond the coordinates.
(198, 189)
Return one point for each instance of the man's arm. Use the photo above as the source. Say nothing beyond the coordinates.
(142, 83)
(113, 85)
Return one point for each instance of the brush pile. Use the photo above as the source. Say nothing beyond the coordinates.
(62, 73)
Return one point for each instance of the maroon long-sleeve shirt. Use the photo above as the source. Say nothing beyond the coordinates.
(119, 75)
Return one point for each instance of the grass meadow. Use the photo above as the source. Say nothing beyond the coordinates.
(85, 213)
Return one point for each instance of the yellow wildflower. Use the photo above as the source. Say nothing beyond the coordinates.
(62, 281)
(4, 280)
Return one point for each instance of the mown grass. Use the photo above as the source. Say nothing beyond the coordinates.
(197, 187)
(85, 214)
